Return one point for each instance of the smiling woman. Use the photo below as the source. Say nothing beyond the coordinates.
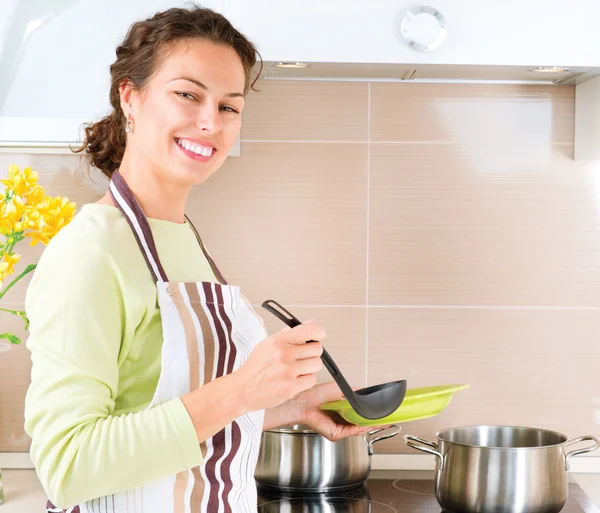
(176, 95)
(152, 376)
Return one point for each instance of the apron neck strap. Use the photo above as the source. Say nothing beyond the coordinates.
(212, 263)
(126, 202)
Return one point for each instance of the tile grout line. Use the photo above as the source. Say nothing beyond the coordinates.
(64, 152)
(368, 232)
(451, 307)
(367, 142)
(300, 141)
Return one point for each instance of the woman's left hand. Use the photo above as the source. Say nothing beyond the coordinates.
(304, 409)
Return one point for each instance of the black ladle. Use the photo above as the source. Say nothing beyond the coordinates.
(373, 402)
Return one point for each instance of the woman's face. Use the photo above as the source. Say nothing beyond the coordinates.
(189, 116)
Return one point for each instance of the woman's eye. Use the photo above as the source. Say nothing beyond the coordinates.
(189, 96)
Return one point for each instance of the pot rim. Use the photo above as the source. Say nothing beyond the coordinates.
(300, 429)
(283, 431)
(294, 429)
(557, 433)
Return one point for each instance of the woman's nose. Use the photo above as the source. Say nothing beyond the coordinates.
(209, 119)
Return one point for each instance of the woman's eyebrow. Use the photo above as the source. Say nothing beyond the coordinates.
(202, 86)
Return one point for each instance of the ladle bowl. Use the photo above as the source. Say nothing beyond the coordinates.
(374, 402)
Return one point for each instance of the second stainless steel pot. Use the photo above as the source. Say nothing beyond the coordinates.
(501, 469)
(299, 459)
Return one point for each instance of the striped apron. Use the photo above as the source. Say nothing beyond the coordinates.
(209, 331)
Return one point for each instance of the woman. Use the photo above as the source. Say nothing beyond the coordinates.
(152, 377)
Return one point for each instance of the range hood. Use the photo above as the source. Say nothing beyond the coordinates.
(438, 41)
(586, 81)
(444, 73)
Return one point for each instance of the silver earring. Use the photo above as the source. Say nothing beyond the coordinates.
(128, 128)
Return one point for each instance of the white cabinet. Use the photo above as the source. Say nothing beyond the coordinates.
(55, 54)
(54, 63)
(510, 32)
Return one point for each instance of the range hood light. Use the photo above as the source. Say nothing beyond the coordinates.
(549, 69)
(291, 65)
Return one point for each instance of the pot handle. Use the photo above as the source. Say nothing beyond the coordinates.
(424, 446)
(591, 448)
(394, 431)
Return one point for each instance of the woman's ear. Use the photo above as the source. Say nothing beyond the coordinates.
(128, 94)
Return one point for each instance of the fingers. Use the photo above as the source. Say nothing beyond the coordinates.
(352, 430)
(339, 431)
(306, 382)
(335, 432)
(308, 350)
(303, 333)
(326, 392)
(308, 366)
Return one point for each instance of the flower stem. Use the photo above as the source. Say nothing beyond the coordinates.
(21, 314)
(16, 312)
(27, 270)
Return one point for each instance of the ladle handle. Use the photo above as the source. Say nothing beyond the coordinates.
(338, 377)
(330, 364)
(274, 307)
(288, 318)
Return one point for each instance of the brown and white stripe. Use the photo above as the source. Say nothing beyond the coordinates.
(219, 329)
(51, 508)
(209, 331)
(219, 357)
(208, 313)
(127, 203)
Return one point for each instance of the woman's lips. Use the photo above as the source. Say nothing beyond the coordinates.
(196, 151)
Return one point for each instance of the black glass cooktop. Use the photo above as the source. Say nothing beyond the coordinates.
(385, 496)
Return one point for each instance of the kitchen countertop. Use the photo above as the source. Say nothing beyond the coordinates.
(24, 492)
(589, 483)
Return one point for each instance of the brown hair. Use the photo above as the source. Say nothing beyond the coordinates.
(137, 60)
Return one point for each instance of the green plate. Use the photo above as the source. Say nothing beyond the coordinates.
(419, 403)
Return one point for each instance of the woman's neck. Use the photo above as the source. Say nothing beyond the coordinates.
(158, 198)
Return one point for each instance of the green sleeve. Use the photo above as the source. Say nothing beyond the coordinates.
(81, 309)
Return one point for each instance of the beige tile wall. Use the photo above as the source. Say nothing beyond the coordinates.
(442, 233)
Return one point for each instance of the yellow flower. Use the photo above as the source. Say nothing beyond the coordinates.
(13, 172)
(31, 218)
(26, 211)
(35, 195)
(20, 182)
(38, 236)
(7, 265)
(51, 216)
(11, 211)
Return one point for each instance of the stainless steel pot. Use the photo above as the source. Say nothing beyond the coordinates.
(299, 459)
(501, 469)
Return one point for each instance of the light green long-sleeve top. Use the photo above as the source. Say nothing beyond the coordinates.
(95, 342)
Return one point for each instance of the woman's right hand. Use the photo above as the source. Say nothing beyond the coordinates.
(281, 366)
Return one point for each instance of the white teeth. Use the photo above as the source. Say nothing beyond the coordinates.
(196, 148)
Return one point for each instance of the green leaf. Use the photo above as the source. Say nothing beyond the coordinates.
(11, 337)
